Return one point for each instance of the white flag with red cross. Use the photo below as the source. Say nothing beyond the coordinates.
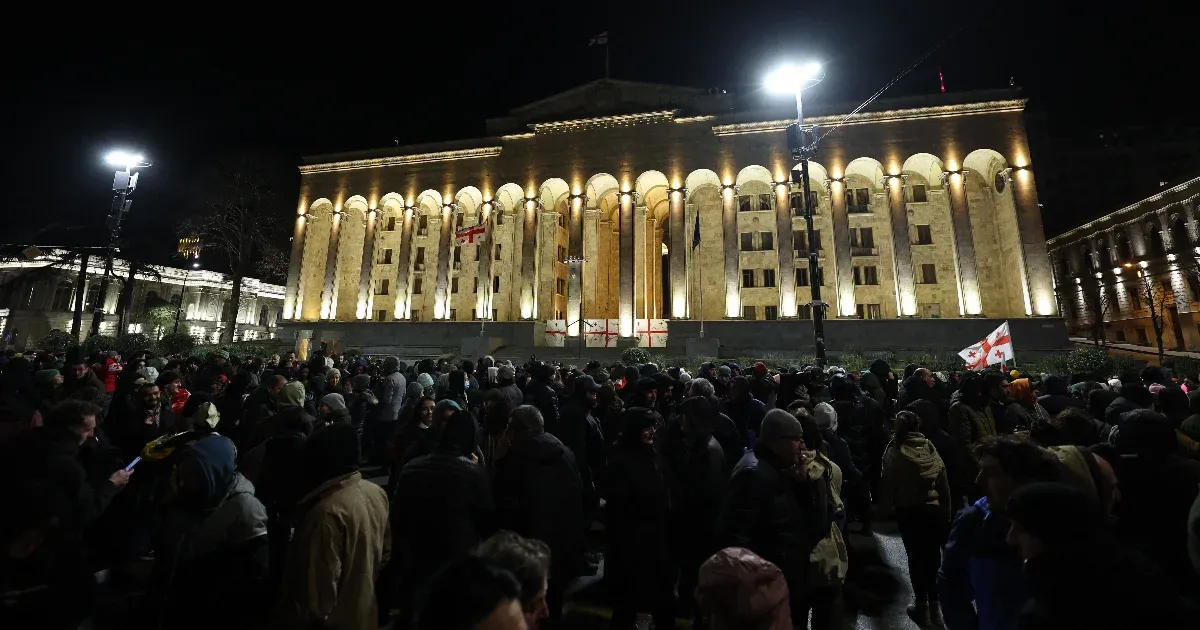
(556, 332)
(652, 333)
(993, 349)
(469, 235)
(601, 333)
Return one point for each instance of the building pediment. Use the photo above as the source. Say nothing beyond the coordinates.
(608, 97)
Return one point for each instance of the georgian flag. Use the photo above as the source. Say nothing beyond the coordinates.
(468, 235)
(993, 349)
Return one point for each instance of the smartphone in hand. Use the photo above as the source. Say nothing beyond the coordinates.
(133, 463)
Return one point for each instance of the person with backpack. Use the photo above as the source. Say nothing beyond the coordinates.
(915, 483)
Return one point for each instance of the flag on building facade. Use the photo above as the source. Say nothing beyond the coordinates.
(469, 235)
(599, 40)
(993, 349)
(696, 232)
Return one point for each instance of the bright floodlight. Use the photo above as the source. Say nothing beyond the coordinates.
(195, 265)
(789, 78)
(121, 158)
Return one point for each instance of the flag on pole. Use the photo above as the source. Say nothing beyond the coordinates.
(468, 235)
(993, 349)
(696, 232)
(599, 40)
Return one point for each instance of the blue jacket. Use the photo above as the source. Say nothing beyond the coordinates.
(978, 566)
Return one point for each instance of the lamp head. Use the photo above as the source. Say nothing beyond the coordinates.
(789, 79)
(123, 158)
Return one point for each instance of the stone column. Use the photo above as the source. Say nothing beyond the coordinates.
(1164, 224)
(678, 252)
(733, 298)
(1033, 243)
(785, 276)
(303, 341)
(626, 248)
(368, 259)
(591, 269)
(843, 259)
(574, 269)
(329, 292)
(401, 308)
(483, 298)
(642, 233)
(441, 294)
(906, 294)
(546, 273)
(291, 307)
(528, 257)
(964, 245)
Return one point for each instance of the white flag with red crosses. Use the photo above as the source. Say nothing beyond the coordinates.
(995, 348)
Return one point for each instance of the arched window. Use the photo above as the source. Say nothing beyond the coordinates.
(1121, 250)
(1089, 263)
(1107, 261)
(278, 315)
(263, 314)
(1179, 233)
(1154, 240)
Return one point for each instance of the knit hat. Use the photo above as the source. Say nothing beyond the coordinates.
(425, 380)
(206, 415)
(505, 373)
(724, 371)
(779, 424)
(362, 381)
(826, 416)
(224, 354)
(414, 390)
(292, 394)
(741, 589)
(759, 369)
(45, 377)
(333, 401)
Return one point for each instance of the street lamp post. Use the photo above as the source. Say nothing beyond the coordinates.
(183, 294)
(124, 183)
(793, 80)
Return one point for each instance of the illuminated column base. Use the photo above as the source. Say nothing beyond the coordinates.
(733, 298)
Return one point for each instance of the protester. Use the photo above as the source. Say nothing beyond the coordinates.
(471, 594)
(528, 559)
(341, 541)
(738, 589)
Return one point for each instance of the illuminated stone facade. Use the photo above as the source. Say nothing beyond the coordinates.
(925, 207)
(1132, 267)
(37, 296)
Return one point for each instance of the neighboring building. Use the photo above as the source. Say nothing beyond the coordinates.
(36, 297)
(1115, 276)
(925, 207)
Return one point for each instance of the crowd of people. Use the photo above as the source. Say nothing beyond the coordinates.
(727, 498)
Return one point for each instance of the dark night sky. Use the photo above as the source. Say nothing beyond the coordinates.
(324, 82)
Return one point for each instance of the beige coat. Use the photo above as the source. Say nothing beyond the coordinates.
(340, 545)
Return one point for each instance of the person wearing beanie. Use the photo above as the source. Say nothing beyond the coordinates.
(826, 419)
(391, 394)
(47, 384)
(762, 386)
(720, 380)
(363, 406)
(425, 379)
(341, 542)
(768, 506)
(333, 409)
(1073, 563)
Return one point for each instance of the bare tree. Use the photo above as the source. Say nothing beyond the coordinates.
(1159, 298)
(1091, 302)
(241, 220)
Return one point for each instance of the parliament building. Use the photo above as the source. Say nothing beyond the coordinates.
(633, 203)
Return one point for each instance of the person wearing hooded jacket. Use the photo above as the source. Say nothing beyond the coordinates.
(290, 403)
(1079, 576)
(580, 432)
(391, 391)
(1058, 395)
(539, 494)
(213, 553)
(916, 485)
(1131, 397)
(699, 471)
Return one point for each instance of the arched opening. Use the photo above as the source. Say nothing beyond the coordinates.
(1154, 239)
(1121, 250)
(263, 314)
(1089, 262)
(1179, 233)
(63, 300)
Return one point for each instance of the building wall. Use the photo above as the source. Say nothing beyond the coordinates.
(40, 297)
(710, 160)
(1134, 268)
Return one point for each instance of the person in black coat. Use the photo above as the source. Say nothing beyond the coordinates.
(539, 494)
(1079, 576)
(50, 502)
(579, 431)
(1058, 397)
(143, 418)
(699, 472)
(638, 568)
(442, 507)
(772, 509)
(1133, 396)
(543, 394)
